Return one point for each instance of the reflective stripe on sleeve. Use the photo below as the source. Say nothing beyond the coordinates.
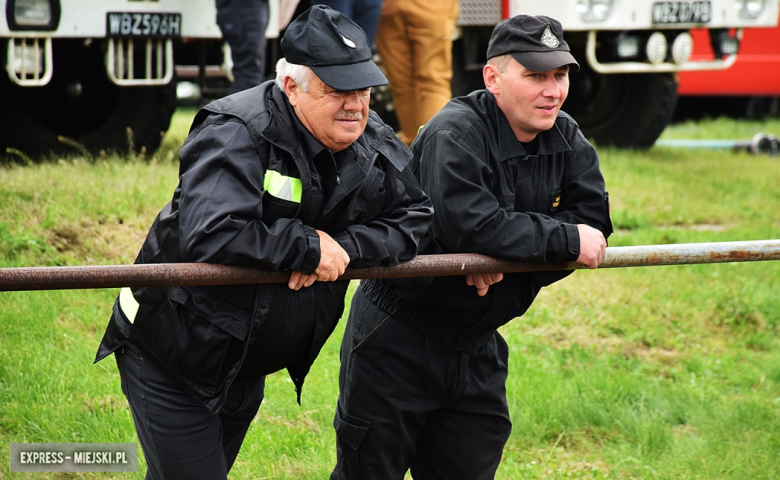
(128, 303)
(280, 186)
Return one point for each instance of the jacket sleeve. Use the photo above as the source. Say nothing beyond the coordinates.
(583, 198)
(468, 217)
(221, 209)
(392, 236)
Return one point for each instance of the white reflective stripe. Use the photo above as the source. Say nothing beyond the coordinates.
(128, 303)
(281, 186)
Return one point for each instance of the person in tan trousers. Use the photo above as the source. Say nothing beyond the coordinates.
(415, 44)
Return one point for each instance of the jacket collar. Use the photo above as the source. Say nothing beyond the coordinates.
(377, 139)
(273, 122)
(549, 142)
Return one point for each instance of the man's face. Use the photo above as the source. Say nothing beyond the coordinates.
(336, 118)
(530, 100)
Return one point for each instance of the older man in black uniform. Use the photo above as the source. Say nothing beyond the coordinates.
(296, 175)
(423, 368)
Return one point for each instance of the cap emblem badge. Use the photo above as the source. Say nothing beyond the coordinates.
(549, 39)
(350, 43)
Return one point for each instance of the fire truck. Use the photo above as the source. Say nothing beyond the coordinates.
(749, 89)
(630, 54)
(100, 75)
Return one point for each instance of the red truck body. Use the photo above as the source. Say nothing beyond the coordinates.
(755, 73)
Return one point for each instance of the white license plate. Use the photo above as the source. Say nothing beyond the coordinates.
(682, 12)
(143, 25)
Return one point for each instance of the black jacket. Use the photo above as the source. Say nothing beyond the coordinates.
(492, 197)
(223, 211)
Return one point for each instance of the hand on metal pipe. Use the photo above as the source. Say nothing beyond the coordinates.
(333, 263)
(593, 246)
(483, 281)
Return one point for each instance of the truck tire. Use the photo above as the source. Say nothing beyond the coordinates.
(622, 110)
(81, 109)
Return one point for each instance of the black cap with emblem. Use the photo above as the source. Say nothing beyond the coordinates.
(334, 47)
(534, 41)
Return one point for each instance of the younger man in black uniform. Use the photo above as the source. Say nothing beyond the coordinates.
(423, 368)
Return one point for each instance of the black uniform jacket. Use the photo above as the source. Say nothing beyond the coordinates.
(248, 195)
(492, 197)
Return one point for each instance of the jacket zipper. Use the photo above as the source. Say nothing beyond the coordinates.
(336, 168)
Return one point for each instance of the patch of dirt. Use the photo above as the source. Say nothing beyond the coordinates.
(297, 423)
(659, 355)
(686, 430)
(91, 241)
(106, 404)
(562, 338)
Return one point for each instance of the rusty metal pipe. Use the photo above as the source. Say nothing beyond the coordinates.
(163, 275)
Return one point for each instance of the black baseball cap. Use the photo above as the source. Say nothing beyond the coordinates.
(534, 41)
(334, 47)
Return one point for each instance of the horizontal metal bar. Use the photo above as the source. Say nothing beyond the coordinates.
(646, 67)
(163, 275)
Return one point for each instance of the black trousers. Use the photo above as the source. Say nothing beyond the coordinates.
(410, 403)
(243, 24)
(180, 437)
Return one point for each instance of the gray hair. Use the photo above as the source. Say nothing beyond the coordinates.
(301, 74)
(500, 62)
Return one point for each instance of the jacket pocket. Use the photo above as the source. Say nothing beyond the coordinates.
(372, 196)
(350, 432)
(276, 208)
(199, 336)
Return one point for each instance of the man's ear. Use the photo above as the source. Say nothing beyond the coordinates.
(490, 75)
(291, 89)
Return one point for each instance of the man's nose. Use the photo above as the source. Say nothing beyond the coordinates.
(353, 101)
(551, 88)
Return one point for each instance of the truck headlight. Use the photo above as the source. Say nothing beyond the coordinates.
(749, 8)
(593, 10)
(627, 46)
(682, 48)
(32, 14)
(723, 43)
(656, 48)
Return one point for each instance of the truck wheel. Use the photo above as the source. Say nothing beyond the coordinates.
(623, 110)
(81, 109)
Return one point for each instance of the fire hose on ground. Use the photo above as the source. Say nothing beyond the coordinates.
(760, 144)
(164, 275)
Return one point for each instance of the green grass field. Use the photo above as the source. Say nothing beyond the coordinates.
(645, 373)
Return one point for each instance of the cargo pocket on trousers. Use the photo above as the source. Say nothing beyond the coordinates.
(350, 432)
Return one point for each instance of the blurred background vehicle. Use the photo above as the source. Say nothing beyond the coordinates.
(630, 53)
(749, 89)
(102, 75)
